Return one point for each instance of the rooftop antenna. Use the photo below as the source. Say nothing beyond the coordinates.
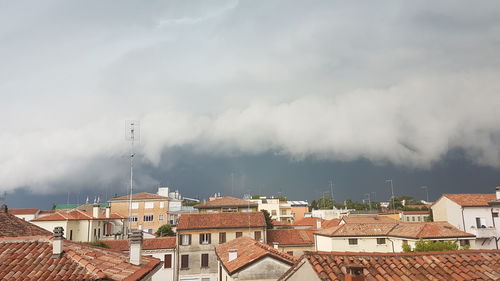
(3, 199)
(331, 189)
(392, 194)
(132, 134)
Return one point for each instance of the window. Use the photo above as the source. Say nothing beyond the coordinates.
(419, 219)
(135, 205)
(208, 279)
(186, 239)
(273, 212)
(71, 234)
(405, 242)
(222, 237)
(160, 217)
(407, 218)
(412, 218)
(239, 234)
(184, 261)
(229, 210)
(380, 241)
(133, 218)
(353, 241)
(99, 233)
(148, 217)
(480, 222)
(149, 205)
(205, 238)
(290, 253)
(257, 235)
(464, 243)
(162, 205)
(204, 260)
(167, 261)
(495, 215)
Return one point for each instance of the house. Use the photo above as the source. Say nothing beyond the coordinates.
(387, 237)
(226, 204)
(291, 241)
(425, 266)
(279, 210)
(315, 223)
(298, 209)
(84, 226)
(27, 214)
(473, 213)
(198, 234)
(148, 211)
(162, 248)
(247, 259)
(415, 216)
(367, 219)
(28, 252)
(330, 214)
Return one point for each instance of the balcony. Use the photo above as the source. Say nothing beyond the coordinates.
(483, 232)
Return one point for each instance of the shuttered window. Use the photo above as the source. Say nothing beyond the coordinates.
(257, 235)
(204, 260)
(168, 261)
(222, 237)
(185, 261)
(239, 234)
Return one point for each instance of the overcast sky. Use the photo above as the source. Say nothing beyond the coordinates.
(392, 86)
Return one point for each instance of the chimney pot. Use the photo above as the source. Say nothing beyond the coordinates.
(4, 209)
(108, 212)
(498, 192)
(57, 242)
(136, 238)
(95, 211)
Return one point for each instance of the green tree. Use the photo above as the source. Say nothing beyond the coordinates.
(430, 246)
(325, 203)
(281, 198)
(165, 230)
(267, 217)
(256, 196)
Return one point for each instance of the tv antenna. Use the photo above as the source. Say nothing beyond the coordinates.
(132, 134)
(3, 199)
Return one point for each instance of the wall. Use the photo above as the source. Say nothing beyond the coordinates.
(265, 269)
(470, 215)
(297, 250)
(446, 210)
(121, 208)
(305, 272)
(299, 212)
(164, 274)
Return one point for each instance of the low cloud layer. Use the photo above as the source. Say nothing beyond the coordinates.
(329, 81)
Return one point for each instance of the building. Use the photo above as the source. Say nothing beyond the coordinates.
(85, 226)
(298, 209)
(198, 234)
(162, 248)
(279, 210)
(148, 211)
(473, 213)
(226, 204)
(415, 216)
(315, 223)
(28, 252)
(425, 266)
(330, 214)
(291, 241)
(247, 259)
(368, 219)
(26, 214)
(387, 237)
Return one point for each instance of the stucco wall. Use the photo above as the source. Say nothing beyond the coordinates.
(265, 269)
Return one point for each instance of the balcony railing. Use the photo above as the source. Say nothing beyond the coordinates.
(483, 232)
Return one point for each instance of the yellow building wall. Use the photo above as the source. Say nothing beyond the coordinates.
(121, 208)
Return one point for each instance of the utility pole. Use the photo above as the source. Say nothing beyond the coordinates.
(132, 136)
(331, 189)
(369, 201)
(392, 195)
(426, 193)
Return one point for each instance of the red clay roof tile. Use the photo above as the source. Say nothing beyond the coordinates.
(140, 196)
(290, 236)
(148, 244)
(220, 220)
(471, 200)
(12, 226)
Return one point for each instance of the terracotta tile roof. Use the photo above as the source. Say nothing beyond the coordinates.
(368, 219)
(220, 220)
(226, 201)
(290, 236)
(32, 260)
(426, 266)
(77, 215)
(312, 222)
(280, 223)
(471, 200)
(248, 252)
(416, 212)
(413, 230)
(140, 196)
(12, 226)
(148, 244)
(27, 211)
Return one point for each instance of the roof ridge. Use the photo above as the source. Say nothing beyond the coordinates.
(274, 251)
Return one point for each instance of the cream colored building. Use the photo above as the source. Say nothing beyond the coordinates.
(85, 226)
(279, 210)
(199, 234)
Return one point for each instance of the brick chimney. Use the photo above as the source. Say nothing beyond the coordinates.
(318, 223)
(108, 212)
(498, 192)
(354, 272)
(57, 242)
(135, 246)
(233, 254)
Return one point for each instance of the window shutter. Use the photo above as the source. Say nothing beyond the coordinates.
(201, 238)
(209, 238)
(204, 260)
(168, 261)
(184, 261)
(189, 239)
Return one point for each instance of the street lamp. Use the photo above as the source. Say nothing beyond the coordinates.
(426, 193)
(392, 193)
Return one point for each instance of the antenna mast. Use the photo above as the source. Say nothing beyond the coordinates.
(132, 136)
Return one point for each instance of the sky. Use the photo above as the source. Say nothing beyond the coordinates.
(248, 96)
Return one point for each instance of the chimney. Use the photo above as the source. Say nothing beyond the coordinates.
(108, 212)
(275, 245)
(4, 209)
(95, 211)
(57, 242)
(318, 223)
(354, 272)
(135, 246)
(498, 192)
(233, 254)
